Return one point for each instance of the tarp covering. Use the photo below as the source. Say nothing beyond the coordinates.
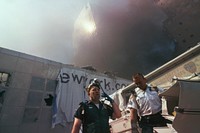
(70, 91)
(120, 99)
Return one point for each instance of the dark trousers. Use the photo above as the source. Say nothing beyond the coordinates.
(147, 129)
(148, 122)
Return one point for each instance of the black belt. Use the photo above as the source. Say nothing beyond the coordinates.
(159, 113)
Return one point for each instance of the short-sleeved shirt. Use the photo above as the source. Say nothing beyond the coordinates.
(146, 102)
(94, 119)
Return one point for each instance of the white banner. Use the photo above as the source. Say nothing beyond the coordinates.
(70, 91)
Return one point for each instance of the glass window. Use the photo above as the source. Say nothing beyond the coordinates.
(4, 78)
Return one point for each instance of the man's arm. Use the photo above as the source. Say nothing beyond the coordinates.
(133, 106)
(76, 125)
(117, 112)
(133, 115)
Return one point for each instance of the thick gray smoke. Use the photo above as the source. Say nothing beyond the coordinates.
(130, 37)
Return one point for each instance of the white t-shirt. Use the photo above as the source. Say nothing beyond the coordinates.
(146, 102)
(97, 105)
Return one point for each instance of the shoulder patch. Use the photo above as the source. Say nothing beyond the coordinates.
(154, 88)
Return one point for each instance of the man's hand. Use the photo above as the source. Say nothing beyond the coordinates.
(107, 97)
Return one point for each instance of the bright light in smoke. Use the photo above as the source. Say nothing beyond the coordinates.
(85, 23)
(89, 26)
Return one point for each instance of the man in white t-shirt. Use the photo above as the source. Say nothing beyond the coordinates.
(145, 103)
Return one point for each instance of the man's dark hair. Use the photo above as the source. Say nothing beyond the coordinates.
(138, 74)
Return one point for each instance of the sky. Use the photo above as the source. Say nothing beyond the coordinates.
(40, 27)
(129, 35)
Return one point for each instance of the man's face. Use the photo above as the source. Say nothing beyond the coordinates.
(139, 81)
(94, 93)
